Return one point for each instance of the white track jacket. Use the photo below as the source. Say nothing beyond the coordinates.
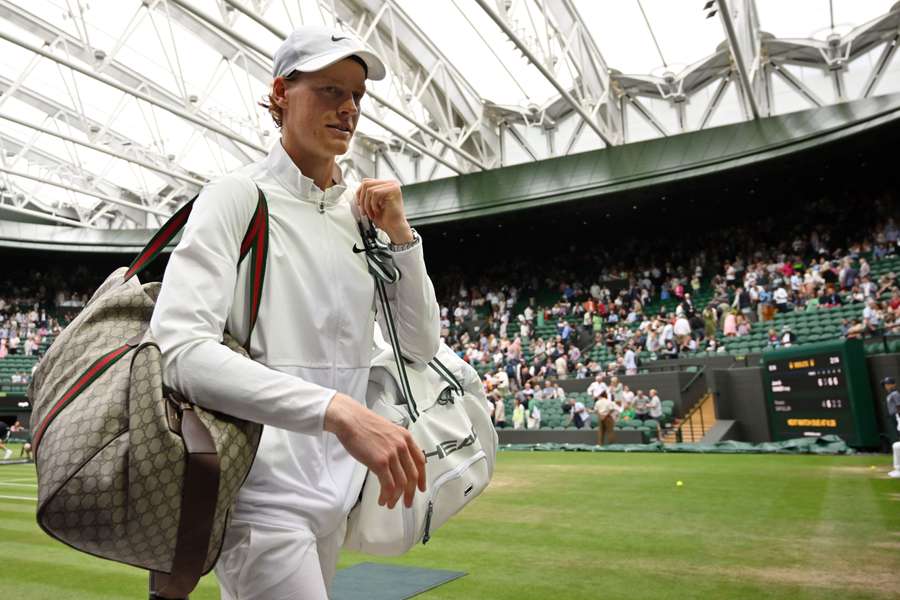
(314, 334)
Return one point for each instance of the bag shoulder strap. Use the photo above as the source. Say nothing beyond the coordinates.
(446, 374)
(202, 470)
(381, 267)
(383, 271)
(255, 243)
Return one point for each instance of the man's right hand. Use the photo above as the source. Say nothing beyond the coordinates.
(386, 449)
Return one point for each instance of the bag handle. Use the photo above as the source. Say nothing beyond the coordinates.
(256, 241)
(198, 508)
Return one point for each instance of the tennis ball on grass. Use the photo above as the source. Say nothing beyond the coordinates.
(679, 483)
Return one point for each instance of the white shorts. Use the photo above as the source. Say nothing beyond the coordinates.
(264, 562)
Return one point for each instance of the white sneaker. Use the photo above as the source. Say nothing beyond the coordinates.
(9, 453)
(895, 474)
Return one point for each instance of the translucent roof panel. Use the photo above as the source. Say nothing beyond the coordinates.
(480, 50)
(812, 18)
(682, 30)
(165, 94)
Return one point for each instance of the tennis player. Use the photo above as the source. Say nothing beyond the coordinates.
(312, 344)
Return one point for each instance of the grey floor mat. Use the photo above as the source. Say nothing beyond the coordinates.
(371, 581)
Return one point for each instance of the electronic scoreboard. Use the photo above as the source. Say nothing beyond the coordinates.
(820, 389)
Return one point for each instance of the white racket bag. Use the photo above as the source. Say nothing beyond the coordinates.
(443, 405)
(451, 423)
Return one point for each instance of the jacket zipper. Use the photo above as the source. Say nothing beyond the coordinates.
(334, 275)
(329, 243)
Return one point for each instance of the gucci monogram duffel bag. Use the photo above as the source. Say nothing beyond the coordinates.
(128, 470)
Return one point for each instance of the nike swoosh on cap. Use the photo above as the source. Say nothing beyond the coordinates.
(337, 39)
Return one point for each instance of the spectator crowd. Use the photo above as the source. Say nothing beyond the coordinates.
(697, 295)
(34, 307)
(644, 299)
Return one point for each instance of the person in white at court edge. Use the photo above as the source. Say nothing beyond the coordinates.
(313, 340)
(893, 408)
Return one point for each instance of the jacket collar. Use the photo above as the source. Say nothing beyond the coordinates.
(283, 169)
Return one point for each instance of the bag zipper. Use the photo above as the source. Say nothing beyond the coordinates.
(454, 473)
(427, 535)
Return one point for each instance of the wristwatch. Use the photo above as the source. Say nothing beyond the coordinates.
(407, 245)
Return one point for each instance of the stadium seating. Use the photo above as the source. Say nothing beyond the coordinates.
(19, 363)
(809, 326)
(813, 325)
(11, 365)
(552, 416)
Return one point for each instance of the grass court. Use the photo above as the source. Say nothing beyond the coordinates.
(611, 526)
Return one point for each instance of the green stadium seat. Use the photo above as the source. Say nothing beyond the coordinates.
(874, 348)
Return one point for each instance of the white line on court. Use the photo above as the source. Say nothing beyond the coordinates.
(17, 498)
(33, 485)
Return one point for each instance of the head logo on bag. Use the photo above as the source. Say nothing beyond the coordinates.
(445, 449)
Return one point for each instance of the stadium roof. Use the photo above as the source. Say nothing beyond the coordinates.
(114, 112)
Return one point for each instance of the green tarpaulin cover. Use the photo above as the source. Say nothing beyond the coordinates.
(826, 444)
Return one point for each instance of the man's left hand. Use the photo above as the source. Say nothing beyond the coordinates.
(382, 202)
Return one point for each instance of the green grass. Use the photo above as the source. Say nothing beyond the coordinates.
(565, 525)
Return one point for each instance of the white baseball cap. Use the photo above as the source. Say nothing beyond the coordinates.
(312, 48)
